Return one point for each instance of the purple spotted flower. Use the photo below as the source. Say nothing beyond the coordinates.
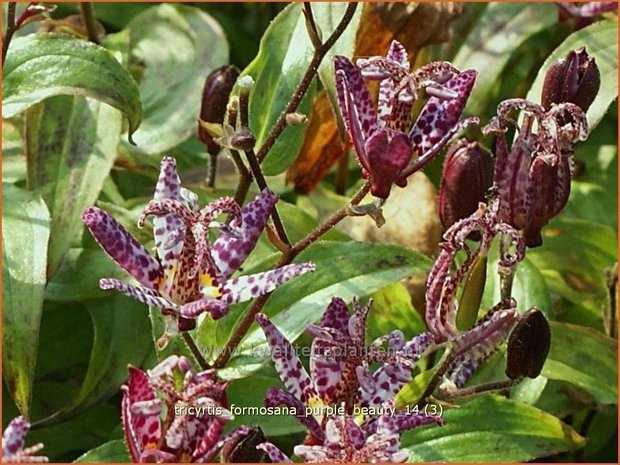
(585, 13)
(174, 414)
(13, 441)
(471, 346)
(389, 145)
(340, 366)
(190, 276)
(533, 174)
(347, 442)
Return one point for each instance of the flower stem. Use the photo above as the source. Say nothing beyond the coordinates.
(89, 21)
(479, 389)
(10, 29)
(317, 57)
(191, 345)
(212, 170)
(244, 325)
(444, 365)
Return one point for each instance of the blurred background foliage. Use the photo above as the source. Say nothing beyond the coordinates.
(68, 383)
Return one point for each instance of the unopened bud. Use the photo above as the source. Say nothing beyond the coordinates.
(528, 345)
(242, 448)
(215, 94)
(467, 175)
(575, 79)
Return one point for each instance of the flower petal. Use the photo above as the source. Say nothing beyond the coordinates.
(387, 381)
(326, 369)
(168, 229)
(405, 422)
(248, 287)
(275, 454)
(388, 153)
(229, 252)
(209, 446)
(277, 397)
(141, 294)
(140, 430)
(122, 247)
(14, 436)
(336, 315)
(216, 308)
(439, 115)
(287, 364)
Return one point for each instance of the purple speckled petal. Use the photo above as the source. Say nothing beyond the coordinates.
(512, 183)
(208, 447)
(216, 308)
(336, 315)
(249, 287)
(141, 294)
(229, 252)
(463, 367)
(388, 152)
(392, 112)
(275, 454)
(122, 247)
(326, 369)
(14, 435)
(439, 115)
(483, 339)
(140, 430)
(168, 230)
(387, 380)
(278, 397)
(287, 364)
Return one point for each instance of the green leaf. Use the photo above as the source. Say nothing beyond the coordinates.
(25, 232)
(343, 269)
(284, 55)
(497, 34)
(175, 47)
(577, 276)
(110, 452)
(79, 273)
(122, 337)
(491, 429)
(601, 42)
(71, 144)
(586, 358)
(39, 66)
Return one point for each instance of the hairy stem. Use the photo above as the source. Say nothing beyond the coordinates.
(243, 327)
(255, 168)
(191, 345)
(317, 58)
(89, 21)
(479, 389)
(212, 170)
(10, 29)
(245, 178)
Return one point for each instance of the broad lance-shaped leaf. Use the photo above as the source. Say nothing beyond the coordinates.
(343, 269)
(491, 429)
(175, 46)
(71, 144)
(25, 232)
(601, 42)
(586, 358)
(496, 35)
(283, 57)
(121, 337)
(39, 66)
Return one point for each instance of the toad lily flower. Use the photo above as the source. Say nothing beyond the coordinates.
(471, 346)
(389, 146)
(340, 364)
(346, 442)
(158, 423)
(533, 176)
(13, 440)
(189, 275)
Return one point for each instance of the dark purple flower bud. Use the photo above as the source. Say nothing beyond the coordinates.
(242, 448)
(528, 345)
(467, 175)
(215, 94)
(575, 79)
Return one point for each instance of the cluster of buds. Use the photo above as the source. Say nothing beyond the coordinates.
(190, 276)
(175, 414)
(13, 442)
(533, 173)
(389, 145)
